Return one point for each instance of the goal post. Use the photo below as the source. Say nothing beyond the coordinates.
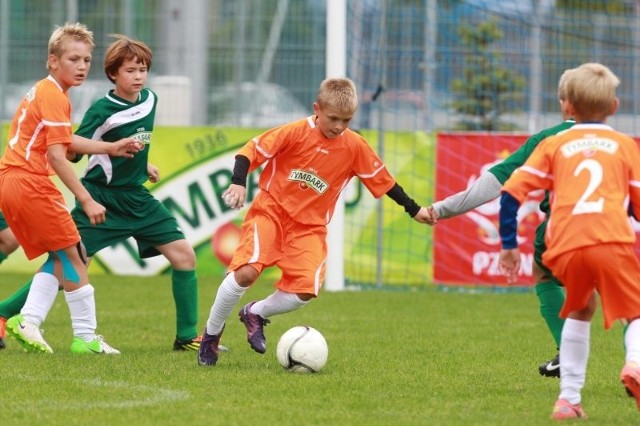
(336, 66)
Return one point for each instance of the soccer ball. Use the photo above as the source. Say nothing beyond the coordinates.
(302, 349)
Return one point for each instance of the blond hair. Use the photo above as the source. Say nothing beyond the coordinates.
(66, 33)
(123, 49)
(338, 93)
(562, 84)
(591, 89)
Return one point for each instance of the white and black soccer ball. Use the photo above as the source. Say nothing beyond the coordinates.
(302, 349)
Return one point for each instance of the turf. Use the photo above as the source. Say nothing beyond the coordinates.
(395, 358)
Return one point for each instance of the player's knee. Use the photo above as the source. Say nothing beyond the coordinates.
(8, 242)
(245, 275)
(305, 297)
(181, 255)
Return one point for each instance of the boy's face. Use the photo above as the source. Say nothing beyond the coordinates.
(130, 79)
(72, 68)
(331, 122)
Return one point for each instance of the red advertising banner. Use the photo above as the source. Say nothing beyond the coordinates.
(466, 247)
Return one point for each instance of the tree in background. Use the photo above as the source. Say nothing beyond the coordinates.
(487, 89)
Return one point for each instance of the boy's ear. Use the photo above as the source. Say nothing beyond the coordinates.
(52, 62)
(614, 106)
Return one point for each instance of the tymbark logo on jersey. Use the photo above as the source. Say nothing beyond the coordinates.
(588, 144)
(308, 179)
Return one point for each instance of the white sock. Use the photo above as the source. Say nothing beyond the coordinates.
(42, 294)
(82, 307)
(574, 354)
(632, 342)
(229, 293)
(278, 302)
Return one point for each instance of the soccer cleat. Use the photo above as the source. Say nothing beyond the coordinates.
(630, 377)
(27, 334)
(187, 345)
(255, 328)
(550, 368)
(209, 350)
(96, 346)
(564, 410)
(3, 333)
(193, 345)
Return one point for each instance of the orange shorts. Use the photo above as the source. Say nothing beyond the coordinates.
(270, 237)
(36, 213)
(610, 269)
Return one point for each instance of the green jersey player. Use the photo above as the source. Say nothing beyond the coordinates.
(486, 188)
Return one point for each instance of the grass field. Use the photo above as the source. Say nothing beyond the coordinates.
(395, 358)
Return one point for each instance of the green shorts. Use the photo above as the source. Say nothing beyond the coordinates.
(3, 223)
(131, 212)
(540, 247)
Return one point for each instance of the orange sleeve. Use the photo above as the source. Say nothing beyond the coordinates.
(371, 170)
(55, 109)
(533, 174)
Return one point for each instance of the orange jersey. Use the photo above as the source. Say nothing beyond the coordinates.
(43, 118)
(592, 172)
(306, 172)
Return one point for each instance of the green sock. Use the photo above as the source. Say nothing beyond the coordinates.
(3, 257)
(12, 305)
(185, 294)
(551, 295)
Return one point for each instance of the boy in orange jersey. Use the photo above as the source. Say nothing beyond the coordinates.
(308, 163)
(593, 173)
(40, 139)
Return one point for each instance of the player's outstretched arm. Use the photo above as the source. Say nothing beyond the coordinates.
(485, 188)
(397, 194)
(125, 147)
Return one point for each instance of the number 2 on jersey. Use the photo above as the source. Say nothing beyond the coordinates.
(594, 169)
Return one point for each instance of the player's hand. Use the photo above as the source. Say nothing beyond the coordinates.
(423, 216)
(96, 212)
(509, 264)
(153, 173)
(125, 147)
(234, 196)
(433, 215)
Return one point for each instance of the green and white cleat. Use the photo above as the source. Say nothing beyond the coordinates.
(96, 346)
(27, 334)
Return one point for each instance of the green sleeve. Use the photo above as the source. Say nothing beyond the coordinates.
(503, 170)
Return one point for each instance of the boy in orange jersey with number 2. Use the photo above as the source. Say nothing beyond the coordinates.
(593, 173)
(40, 139)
